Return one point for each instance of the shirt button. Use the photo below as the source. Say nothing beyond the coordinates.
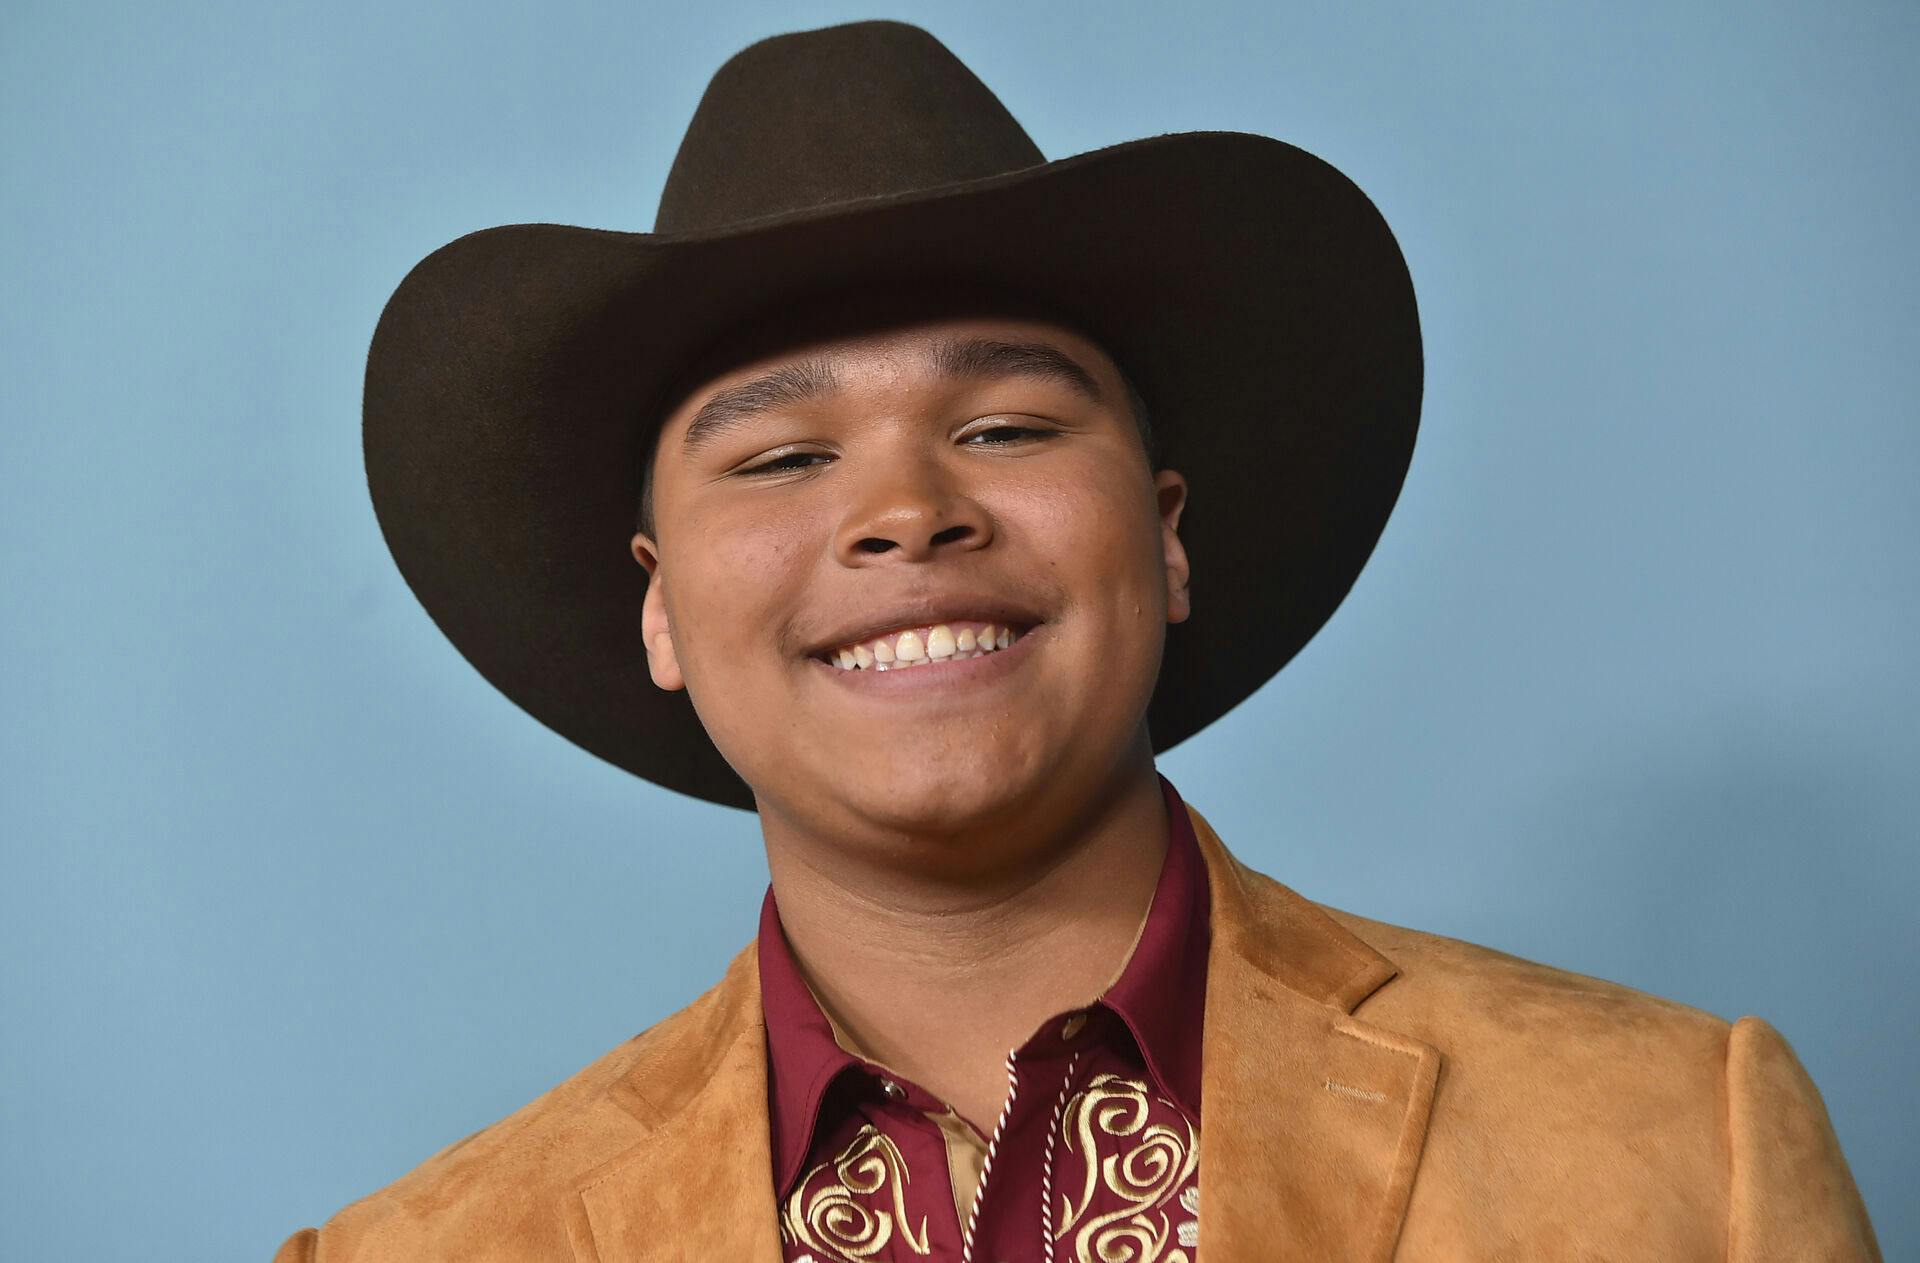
(893, 1090)
(1073, 1026)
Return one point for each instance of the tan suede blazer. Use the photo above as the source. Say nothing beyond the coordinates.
(1369, 1093)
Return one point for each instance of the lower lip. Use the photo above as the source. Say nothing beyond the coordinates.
(934, 678)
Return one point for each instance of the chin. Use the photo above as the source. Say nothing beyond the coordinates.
(946, 798)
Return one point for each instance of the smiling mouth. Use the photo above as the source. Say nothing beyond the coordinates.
(933, 644)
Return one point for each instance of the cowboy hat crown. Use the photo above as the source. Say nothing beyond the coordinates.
(872, 109)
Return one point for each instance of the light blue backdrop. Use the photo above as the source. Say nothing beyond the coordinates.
(291, 898)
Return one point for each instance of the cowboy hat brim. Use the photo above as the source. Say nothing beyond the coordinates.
(1252, 292)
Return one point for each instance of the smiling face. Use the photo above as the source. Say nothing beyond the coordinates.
(967, 496)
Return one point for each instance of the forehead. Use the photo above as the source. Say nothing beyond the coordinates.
(807, 355)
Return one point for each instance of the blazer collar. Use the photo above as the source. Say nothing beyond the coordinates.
(699, 1183)
(1312, 1121)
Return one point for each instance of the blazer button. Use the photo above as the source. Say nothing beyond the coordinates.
(893, 1090)
(1073, 1026)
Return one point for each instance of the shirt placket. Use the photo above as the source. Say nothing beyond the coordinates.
(1015, 1194)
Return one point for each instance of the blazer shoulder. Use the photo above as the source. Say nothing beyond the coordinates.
(1467, 990)
(1599, 1111)
(1574, 1064)
(501, 1192)
(1596, 1103)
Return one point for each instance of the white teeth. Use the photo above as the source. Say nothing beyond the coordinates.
(941, 643)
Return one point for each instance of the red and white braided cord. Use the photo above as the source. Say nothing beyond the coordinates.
(1046, 1168)
(986, 1165)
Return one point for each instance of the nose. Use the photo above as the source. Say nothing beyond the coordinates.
(910, 512)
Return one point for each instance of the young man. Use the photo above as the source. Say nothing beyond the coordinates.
(902, 407)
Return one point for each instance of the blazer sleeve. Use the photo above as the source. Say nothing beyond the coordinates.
(1792, 1196)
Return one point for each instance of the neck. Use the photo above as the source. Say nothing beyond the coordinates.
(938, 980)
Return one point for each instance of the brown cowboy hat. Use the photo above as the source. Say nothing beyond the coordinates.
(1252, 293)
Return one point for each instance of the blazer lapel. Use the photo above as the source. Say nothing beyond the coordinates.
(699, 1184)
(1312, 1121)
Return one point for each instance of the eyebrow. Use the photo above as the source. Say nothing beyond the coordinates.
(784, 387)
(952, 358)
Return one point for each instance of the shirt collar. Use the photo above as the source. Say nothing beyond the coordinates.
(1160, 996)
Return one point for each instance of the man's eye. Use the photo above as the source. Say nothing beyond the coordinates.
(1000, 434)
(786, 464)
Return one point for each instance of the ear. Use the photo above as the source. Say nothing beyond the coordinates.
(1170, 490)
(654, 628)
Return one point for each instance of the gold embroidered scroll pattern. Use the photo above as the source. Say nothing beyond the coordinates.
(1144, 1172)
(835, 1219)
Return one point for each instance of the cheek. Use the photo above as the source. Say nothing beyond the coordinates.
(734, 586)
(1098, 530)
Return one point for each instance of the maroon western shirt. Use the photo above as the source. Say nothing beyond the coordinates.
(1095, 1156)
